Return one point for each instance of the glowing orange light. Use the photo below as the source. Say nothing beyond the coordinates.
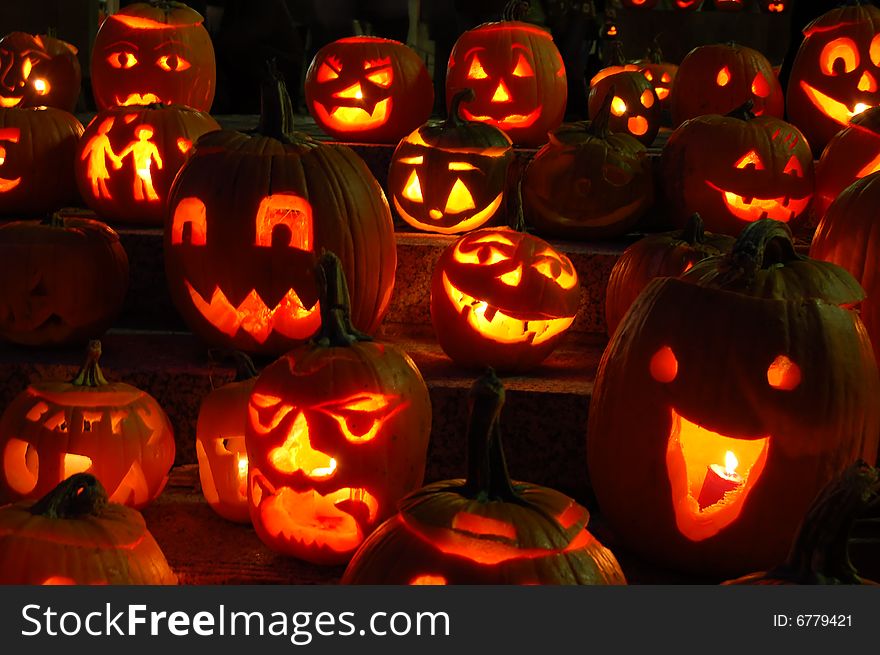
(121, 59)
(618, 106)
(361, 417)
(647, 99)
(664, 365)
(413, 189)
(172, 63)
(10, 135)
(326, 73)
(760, 86)
(428, 580)
(297, 453)
(137, 22)
(74, 464)
(41, 86)
(501, 93)
(523, 68)
(550, 266)
(723, 77)
(871, 167)
(637, 125)
(190, 212)
(183, 144)
(483, 525)
(751, 158)
(867, 83)
(285, 209)
(144, 154)
(476, 71)
(350, 92)
(843, 49)
(460, 199)
(783, 374)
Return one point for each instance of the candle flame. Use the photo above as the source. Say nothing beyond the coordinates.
(242, 466)
(860, 107)
(730, 463)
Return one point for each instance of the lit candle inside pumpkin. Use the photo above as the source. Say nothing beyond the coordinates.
(242, 474)
(719, 481)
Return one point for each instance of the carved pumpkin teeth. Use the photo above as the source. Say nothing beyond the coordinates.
(507, 121)
(139, 99)
(356, 119)
(751, 208)
(10, 101)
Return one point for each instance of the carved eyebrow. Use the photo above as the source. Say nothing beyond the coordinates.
(168, 42)
(123, 43)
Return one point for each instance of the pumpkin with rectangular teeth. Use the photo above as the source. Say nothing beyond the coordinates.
(38, 70)
(740, 418)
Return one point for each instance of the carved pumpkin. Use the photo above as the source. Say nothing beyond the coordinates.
(502, 298)
(72, 536)
(774, 6)
(485, 529)
(246, 215)
(337, 433)
(220, 446)
(836, 73)
(450, 177)
(588, 182)
(640, 4)
(616, 63)
(740, 419)
(364, 88)
(852, 153)
(517, 75)
(153, 52)
(38, 70)
(716, 79)
(112, 430)
(660, 73)
(37, 149)
(658, 255)
(687, 5)
(635, 108)
(128, 157)
(736, 169)
(64, 280)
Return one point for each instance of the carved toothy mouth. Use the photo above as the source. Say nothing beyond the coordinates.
(472, 223)
(784, 208)
(508, 121)
(500, 327)
(701, 508)
(10, 101)
(834, 109)
(8, 185)
(355, 119)
(139, 99)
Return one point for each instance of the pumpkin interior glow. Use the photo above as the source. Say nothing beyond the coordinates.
(8, 135)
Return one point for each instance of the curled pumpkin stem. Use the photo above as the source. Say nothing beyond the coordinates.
(745, 112)
(90, 374)
(455, 119)
(761, 245)
(80, 495)
(336, 326)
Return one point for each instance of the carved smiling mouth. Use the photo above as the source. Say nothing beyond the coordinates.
(507, 121)
(10, 101)
(784, 208)
(702, 507)
(500, 327)
(8, 185)
(466, 225)
(832, 108)
(139, 99)
(356, 118)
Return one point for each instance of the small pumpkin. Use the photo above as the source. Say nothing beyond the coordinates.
(774, 6)
(38, 70)
(485, 529)
(74, 536)
(635, 108)
(111, 430)
(659, 72)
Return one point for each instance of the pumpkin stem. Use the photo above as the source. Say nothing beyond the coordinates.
(694, 232)
(745, 112)
(598, 127)
(79, 495)
(276, 108)
(455, 119)
(336, 327)
(761, 245)
(90, 375)
(516, 10)
(55, 219)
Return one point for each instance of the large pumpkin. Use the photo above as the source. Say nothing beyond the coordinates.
(72, 536)
(246, 215)
(38, 70)
(364, 88)
(155, 51)
(128, 157)
(112, 430)
(337, 433)
(715, 418)
(64, 280)
(485, 529)
(37, 150)
(836, 73)
(517, 75)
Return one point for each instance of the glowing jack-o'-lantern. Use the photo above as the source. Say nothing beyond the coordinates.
(245, 216)
(640, 4)
(485, 529)
(836, 73)
(450, 177)
(736, 169)
(112, 430)
(517, 75)
(687, 5)
(502, 298)
(725, 360)
(220, 446)
(337, 433)
(635, 108)
(128, 157)
(587, 182)
(661, 74)
(364, 88)
(37, 149)
(153, 52)
(38, 70)
(774, 6)
(73, 536)
(716, 79)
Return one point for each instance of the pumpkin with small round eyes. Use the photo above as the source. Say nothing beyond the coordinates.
(659, 72)
(774, 6)
(635, 108)
(718, 78)
(153, 52)
(741, 418)
(736, 169)
(502, 298)
(836, 72)
(336, 434)
(368, 89)
(38, 70)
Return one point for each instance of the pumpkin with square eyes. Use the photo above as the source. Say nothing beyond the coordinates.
(741, 419)
(153, 52)
(502, 298)
(452, 176)
(836, 73)
(364, 88)
(588, 182)
(736, 169)
(517, 75)
(337, 433)
(38, 70)
(635, 108)
(716, 79)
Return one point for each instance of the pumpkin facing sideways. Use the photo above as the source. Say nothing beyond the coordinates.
(502, 298)
(38, 70)
(73, 536)
(64, 280)
(738, 418)
(635, 108)
(111, 430)
(337, 433)
(364, 88)
(485, 529)
(450, 177)
(659, 72)
(156, 51)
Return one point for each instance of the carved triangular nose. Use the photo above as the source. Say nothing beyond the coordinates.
(501, 93)
(297, 453)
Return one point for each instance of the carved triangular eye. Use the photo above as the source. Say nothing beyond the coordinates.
(476, 71)
(793, 167)
(413, 189)
(750, 159)
(327, 73)
(460, 199)
(760, 87)
(523, 68)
